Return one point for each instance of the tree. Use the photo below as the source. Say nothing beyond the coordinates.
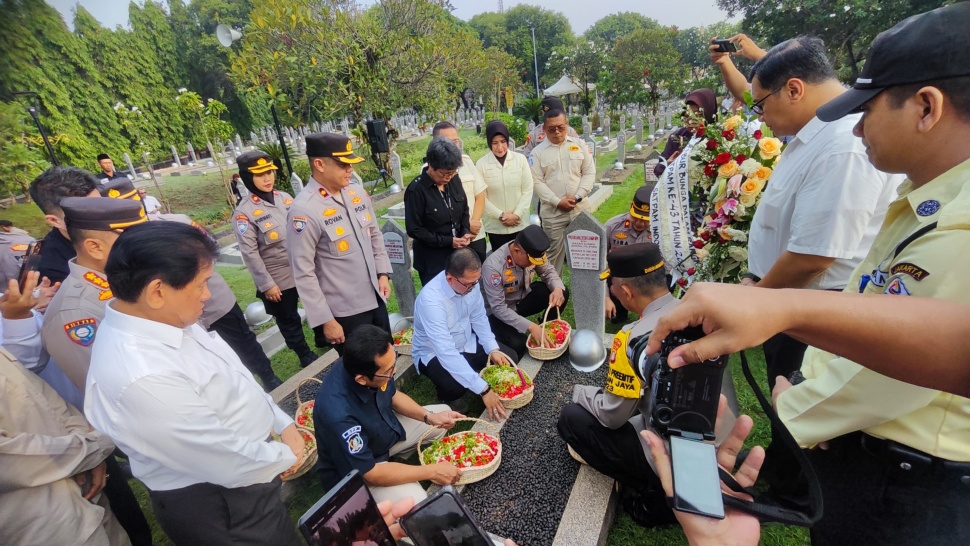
(583, 61)
(608, 30)
(846, 26)
(693, 43)
(497, 71)
(643, 64)
(19, 161)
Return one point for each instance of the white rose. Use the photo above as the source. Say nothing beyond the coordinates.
(736, 235)
(701, 253)
(738, 254)
(749, 166)
(740, 210)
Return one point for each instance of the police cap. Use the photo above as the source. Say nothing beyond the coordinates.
(102, 213)
(627, 262)
(332, 145)
(640, 209)
(534, 242)
(256, 162)
(119, 188)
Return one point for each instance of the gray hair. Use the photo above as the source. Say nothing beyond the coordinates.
(443, 155)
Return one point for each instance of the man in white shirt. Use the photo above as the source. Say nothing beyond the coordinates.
(152, 205)
(452, 338)
(193, 420)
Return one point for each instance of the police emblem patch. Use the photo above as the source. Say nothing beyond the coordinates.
(242, 227)
(495, 279)
(330, 212)
(343, 246)
(354, 442)
(81, 331)
(928, 207)
(273, 235)
(299, 223)
(896, 287)
(356, 200)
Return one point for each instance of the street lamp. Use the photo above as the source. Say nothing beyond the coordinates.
(535, 60)
(32, 110)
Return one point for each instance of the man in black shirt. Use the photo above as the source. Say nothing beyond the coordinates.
(47, 190)
(108, 172)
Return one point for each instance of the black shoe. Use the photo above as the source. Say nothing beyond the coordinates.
(459, 404)
(271, 382)
(308, 358)
(649, 509)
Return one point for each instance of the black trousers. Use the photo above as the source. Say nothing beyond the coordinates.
(376, 316)
(287, 315)
(210, 514)
(616, 453)
(125, 505)
(496, 240)
(232, 328)
(447, 387)
(783, 355)
(869, 498)
(621, 312)
(537, 301)
(479, 248)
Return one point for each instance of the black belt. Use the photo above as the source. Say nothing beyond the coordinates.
(914, 461)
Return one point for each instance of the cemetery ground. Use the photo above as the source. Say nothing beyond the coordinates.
(203, 199)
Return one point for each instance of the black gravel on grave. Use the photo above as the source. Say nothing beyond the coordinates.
(524, 499)
(308, 391)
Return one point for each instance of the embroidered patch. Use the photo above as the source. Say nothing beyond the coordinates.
(323, 193)
(81, 331)
(255, 199)
(356, 200)
(363, 218)
(258, 212)
(495, 279)
(620, 235)
(242, 217)
(626, 223)
(343, 246)
(928, 207)
(21, 247)
(508, 271)
(330, 212)
(896, 287)
(268, 225)
(273, 235)
(105, 295)
(299, 223)
(96, 280)
(242, 227)
(508, 261)
(913, 270)
(287, 202)
(621, 380)
(574, 148)
(354, 441)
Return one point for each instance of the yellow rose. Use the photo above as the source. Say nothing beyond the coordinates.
(763, 173)
(752, 186)
(728, 170)
(748, 199)
(732, 123)
(769, 147)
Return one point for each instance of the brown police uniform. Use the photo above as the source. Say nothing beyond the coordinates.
(13, 246)
(620, 232)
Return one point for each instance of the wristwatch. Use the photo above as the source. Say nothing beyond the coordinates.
(487, 390)
(425, 418)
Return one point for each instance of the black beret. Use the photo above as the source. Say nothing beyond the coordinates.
(102, 213)
(627, 262)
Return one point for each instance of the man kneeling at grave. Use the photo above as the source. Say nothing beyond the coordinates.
(361, 421)
(602, 427)
(510, 294)
(452, 338)
(625, 229)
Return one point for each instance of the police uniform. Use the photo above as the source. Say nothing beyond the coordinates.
(510, 294)
(13, 246)
(71, 321)
(260, 229)
(557, 171)
(620, 232)
(336, 249)
(221, 312)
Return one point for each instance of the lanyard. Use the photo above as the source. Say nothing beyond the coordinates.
(448, 205)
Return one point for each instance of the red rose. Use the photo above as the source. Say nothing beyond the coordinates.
(722, 158)
(721, 240)
(728, 135)
(698, 243)
(740, 158)
(758, 134)
(706, 235)
(708, 171)
(701, 131)
(690, 270)
(711, 144)
(682, 281)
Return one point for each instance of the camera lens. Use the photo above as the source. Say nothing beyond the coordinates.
(663, 415)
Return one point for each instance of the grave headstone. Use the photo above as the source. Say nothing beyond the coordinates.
(606, 127)
(396, 173)
(638, 128)
(396, 243)
(175, 157)
(191, 151)
(531, 125)
(590, 143)
(670, 120)
(239, 144)
(585, 119)
(296, 183)
(587, 129)
(621, 147)
(586, 253)
(622, 122)
(345, 128)
(131, 166)
(511, 144)
(653, 126)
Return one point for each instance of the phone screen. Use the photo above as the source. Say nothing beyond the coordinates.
(443, 520)
(697, 485)
(30, 262)
(347, 514)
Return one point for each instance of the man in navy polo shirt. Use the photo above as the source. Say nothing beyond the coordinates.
(361, 420)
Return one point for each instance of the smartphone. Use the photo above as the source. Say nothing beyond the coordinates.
(30, 262)
(444, 520)
(725, 46)
(346, 514)
(697, 485)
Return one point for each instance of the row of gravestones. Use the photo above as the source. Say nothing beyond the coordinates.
(585, 253)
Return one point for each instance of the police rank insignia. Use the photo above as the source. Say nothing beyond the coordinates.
(356, 200)
(258, 212)
(343, 246)
(20, 247)
(81, 331)
(287, 202)
(273, 235)
(354, 442)
(928, 207)
(255, 199)
(299, 223)
(330, 212)
(96, 280)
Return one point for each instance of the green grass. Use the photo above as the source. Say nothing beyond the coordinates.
(28, 217)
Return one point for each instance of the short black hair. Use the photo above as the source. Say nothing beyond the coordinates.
(443, 154)
(441, 126)
(6, 223)
(646, 285)
(56, 183)
(957, 89)
(553, 113)
(172, 252)
(803, 57)
(462, 260)
(77, 235)
(361, 349)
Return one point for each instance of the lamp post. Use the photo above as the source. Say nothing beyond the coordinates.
(32, 110)
(535, 60)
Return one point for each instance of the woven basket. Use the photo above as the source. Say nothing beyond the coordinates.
(406, 346)
(520, 399)
(550, 353)
(475, 473)
(310, 455)
(302, 406)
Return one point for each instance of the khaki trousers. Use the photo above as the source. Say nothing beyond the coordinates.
(413, 429)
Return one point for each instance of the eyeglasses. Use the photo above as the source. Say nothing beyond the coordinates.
(757, 107)
(446, 175)
(388, 376)
(467, 287)
(556, 128)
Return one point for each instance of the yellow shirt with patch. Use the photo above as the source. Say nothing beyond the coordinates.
(840, 396)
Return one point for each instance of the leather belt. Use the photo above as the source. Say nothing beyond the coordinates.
(917, 462)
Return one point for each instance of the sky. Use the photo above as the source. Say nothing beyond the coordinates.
(581, 13)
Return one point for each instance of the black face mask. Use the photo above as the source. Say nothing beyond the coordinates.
(247, 178)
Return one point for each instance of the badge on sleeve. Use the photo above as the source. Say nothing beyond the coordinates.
(896, 287)
(928, 207)
(621, 380)
(287, 202)
(81, 331)
(242, 227)
(299, 223)
(354, 442)
(495, 280)
(913, 270)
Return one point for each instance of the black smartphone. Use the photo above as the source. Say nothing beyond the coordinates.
(30, 262)
(346, 514)
(444, 520)
(697, 486)
(725, 46)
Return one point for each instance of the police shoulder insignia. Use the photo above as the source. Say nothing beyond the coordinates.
(495, 280)
(20, 247)
(913, 270)
(255, 199)
(896, 287)
(299, 223)
(508, 261)
(105, 295)
(242, 227)
(354, 441)
(621, 380)
(626, 223)
(81, 331)
(96, 280)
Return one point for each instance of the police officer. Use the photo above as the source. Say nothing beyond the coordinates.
(538, 135)
(72, 318)
(108, 172)
(627, 229)
(510, 294)
(563, 172)
(260, 229)
(13, 246)
(221, 312)
(335, 245)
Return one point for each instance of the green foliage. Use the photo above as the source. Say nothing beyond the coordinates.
(608, 30)
(497, 71)
(207, 123)
(576, 122)
(584, 61)
(641, 65)
(530, 108)
(516, 125)
(693, 43)
(20, 161)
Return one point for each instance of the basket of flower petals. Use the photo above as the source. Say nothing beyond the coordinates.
(555, 341)
(310, 455)
(304, 410)
(512, 385)
(478, 454)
